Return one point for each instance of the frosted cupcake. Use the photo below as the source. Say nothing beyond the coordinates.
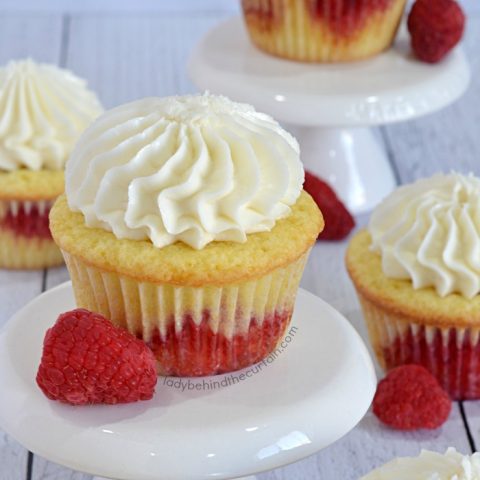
(417, 274)
(43, 110)
(430, 465)
(184, 221)
(323, 30)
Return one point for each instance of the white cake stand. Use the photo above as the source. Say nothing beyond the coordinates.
(330, 106)
(310, 393)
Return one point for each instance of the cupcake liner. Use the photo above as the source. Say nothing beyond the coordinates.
(194, 331)
(25, 240)
(451, 354)
(322, 31)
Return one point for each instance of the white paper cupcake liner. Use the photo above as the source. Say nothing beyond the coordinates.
(451, 354)
(194, 330)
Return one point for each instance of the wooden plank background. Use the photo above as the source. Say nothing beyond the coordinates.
(131, 49)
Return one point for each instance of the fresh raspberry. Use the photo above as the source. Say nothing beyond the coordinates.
(86, 359)
(410, 397)
(338, 220)
(435, 26)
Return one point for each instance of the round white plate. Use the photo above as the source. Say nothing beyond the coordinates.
(311, 392)
(389, 87)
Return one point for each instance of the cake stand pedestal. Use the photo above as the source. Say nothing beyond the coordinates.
(289, 406)
(329, 107)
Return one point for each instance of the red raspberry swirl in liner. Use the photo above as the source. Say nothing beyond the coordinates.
(27, 219)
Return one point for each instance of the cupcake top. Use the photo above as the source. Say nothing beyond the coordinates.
(429, 232)
(430, 466)
(194, 169)
(43, 110)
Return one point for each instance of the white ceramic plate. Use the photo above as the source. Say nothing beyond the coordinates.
(389, 87)
(316, 389)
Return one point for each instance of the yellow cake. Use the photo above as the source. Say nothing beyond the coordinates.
(323, 30)
(417, 306)
(37, 133)
(218, 263)
(23, 243)
(203, 266)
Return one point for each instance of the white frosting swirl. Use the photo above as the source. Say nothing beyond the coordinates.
(430, 466)
(194, 169)
(429, 232)
(43, 111)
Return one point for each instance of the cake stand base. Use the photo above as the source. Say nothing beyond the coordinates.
(351, 160)
(236, 424)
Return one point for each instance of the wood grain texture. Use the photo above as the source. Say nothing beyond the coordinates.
(124, 58)
(17, 288)
(115, 6)
(42, 468)
(45, 470)
(472, 412)
(368, 446)
(417, 148)
(13, 459)
(127, 57)
(448, 139)
(37, 37)
(107, 6)
(56, 276)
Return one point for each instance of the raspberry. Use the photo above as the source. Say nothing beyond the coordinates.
(435, 26)
(338, 220)
(86, 360)
(410, 397)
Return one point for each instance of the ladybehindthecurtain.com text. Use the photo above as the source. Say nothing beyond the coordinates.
(217, 382)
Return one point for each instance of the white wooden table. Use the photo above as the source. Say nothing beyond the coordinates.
(132, 49)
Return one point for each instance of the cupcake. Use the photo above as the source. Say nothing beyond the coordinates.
(184, 221)
(416, 269)
(43, 110)
(323, 30)
(430, 465)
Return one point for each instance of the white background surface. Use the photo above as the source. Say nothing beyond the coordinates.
(137, 48)
(142, 5)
